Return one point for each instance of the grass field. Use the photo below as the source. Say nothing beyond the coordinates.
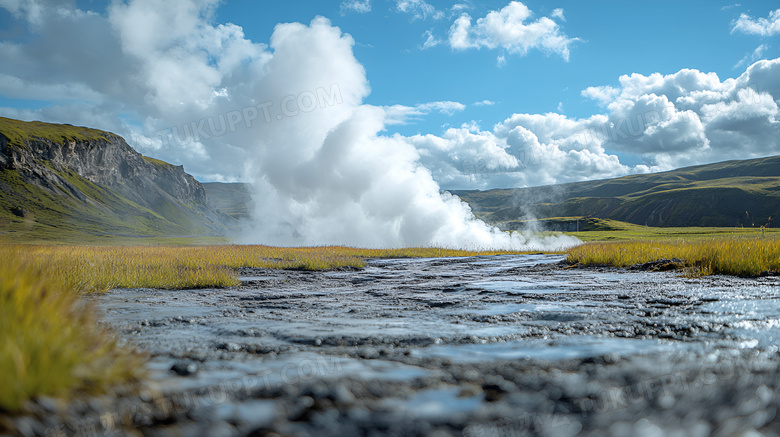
(704, 251)
(629, 232)
(50, 344)
(99, 268)
(731, 256)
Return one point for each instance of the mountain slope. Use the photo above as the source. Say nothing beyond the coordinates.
(232, 199)
(62, 181)
(731, 193)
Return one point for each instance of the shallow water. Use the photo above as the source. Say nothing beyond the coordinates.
(409, 346)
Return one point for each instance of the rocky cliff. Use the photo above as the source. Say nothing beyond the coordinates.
(75, 179)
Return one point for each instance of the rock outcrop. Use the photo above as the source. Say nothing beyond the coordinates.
(100, 171)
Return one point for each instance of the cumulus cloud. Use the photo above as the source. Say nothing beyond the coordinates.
(758, 26)
(512, 30)
(523, 150)
(661, 121)
(691, 117)
(601, 94)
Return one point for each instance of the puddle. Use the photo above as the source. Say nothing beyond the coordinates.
(526, 287)
(578, 347)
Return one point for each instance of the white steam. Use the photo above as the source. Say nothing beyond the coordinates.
(323, 175)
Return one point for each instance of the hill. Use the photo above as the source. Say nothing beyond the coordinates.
(63, 182)
(726, 194)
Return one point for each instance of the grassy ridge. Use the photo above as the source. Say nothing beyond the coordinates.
(729, 256)
(18, 132)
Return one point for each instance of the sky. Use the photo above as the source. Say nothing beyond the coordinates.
(480, 94)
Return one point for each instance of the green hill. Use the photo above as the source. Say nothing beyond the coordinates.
(63, 182)
(726, 194)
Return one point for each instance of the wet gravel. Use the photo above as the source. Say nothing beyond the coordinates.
(481, 346)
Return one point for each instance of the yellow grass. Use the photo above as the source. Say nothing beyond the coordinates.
(730, 256)
(90, 269)
(50, 343)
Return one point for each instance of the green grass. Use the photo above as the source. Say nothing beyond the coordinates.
(50, 343)
(157, 162)
(18, 132)
(63, 217)
(613, 230)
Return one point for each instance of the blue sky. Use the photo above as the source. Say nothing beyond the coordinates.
(481, 112)
(616, 38)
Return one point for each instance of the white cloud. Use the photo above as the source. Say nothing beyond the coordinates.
(524, 150)
(459, 7)
(500, 61)
(661, 121)
(752, 57)
(558, 13)
(418, 9)
(509, 29)
(485, 103)
(691, 117)
(761, 26)
(602, 94)
(430, 40)
(400, 114)
(359, 6)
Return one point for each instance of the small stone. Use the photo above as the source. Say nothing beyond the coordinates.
(230, 347)
(184, 369)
